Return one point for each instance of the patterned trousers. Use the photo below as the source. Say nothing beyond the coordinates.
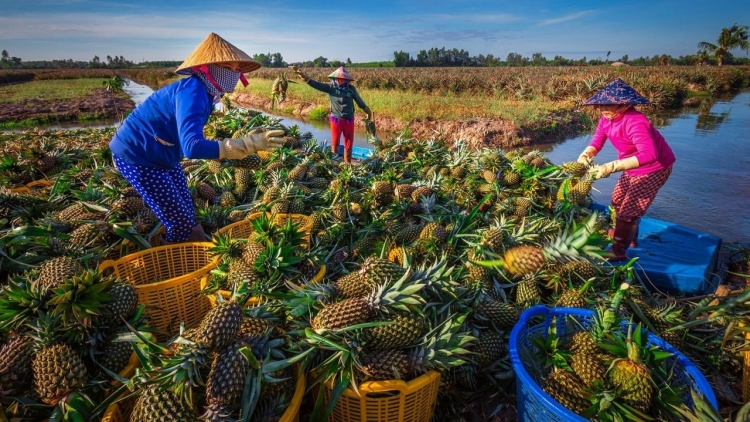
(634, 194)
(166, 193)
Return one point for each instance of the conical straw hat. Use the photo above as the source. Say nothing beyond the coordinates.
(216, 50)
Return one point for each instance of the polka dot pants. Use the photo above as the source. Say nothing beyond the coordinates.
(166, 193)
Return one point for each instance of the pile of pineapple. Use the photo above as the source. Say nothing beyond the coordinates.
(62, 326)
(610, 370)
(432, 251)
(232, 365)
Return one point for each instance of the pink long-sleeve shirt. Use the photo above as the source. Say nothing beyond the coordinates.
(633, 135)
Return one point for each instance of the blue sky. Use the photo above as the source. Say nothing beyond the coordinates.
(362, 30)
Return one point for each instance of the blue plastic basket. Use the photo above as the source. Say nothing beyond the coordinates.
(535, 405)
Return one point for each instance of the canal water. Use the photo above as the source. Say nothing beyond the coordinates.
(709, 189)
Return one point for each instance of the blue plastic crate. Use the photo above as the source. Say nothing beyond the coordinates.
(674, 259)
(534, 405)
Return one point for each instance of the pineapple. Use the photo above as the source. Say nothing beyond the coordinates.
(574, 298)
(527, 293)
(503, 315)
(57, 369)
(580, 191)
(220, 326)
(352, 285)
(489, 176)
(15, 364)
(442, 348)
(404, 331)
(420, 192)
(567, 389)
(403, 191)
(588, 368)
(115, 356)
(397, 254)
(251, 251)
(492, 238)
(129, 206)
(124, 299)
(53, 271)
(575, 168)
(489, 348)
(631, 377)
(226, 381)
(407, 234)
(214, 166)
(527, 259)
(164, 406)
(434, 230)
(251, 162)
(356, 310)
(339, 213)
(242, 178)
(227, 199)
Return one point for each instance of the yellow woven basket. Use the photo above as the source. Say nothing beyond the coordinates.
(120, 412)
(242, 229)
(226, 294)
(388, 401)
(168, 281)
(35, 185)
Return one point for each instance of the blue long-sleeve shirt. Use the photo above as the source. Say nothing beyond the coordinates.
(167, 127)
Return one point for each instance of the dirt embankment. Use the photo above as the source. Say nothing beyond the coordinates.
(477, 132)
(100, 104)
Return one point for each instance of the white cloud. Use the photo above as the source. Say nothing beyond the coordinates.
(566, 18)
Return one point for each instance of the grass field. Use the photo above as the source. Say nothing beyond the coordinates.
(406, 106)
(49, 90)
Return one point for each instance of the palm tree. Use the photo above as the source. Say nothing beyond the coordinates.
(730, 38)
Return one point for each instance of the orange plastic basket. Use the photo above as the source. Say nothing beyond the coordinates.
(243, 228)
(388, 401)
(35, 185)
(226, 294)
(120, 412)
(168, 281)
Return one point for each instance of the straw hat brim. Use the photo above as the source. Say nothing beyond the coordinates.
(216, 50)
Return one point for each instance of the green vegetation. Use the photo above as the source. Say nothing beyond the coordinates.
(729, 39)
(49, 90)
(406, 106)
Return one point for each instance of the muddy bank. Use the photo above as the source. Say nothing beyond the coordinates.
(482, 131)
(99, 105)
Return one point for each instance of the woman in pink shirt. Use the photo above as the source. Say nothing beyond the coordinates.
(643, 154)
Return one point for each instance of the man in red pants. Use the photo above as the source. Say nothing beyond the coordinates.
(342, 95)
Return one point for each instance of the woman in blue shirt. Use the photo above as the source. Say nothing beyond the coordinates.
(149, 145)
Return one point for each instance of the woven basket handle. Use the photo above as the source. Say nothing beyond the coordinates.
(108, 264)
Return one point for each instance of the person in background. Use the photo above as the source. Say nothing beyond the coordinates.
(342, 95)
(149, 145)
(644, 157)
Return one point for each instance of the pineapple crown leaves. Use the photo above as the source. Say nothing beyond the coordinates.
(81, 297)
(401, 295)
(225, 246)
(548, 350)
(19, 300)
(704, 411)
(45, 330)
(277, 259)
(445, 346)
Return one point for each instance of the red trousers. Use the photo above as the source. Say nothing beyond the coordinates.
(634, 194)
(339, 127)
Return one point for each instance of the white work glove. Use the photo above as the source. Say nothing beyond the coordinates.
(587, 155)
(605, 170)
(237, 149)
